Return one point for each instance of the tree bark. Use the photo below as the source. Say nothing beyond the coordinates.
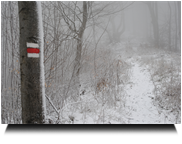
(31, 91)
(77, 66)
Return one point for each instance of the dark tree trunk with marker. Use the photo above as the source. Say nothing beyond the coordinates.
(31, 93)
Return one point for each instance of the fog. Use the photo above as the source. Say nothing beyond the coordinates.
(104, 62)
(139, 20)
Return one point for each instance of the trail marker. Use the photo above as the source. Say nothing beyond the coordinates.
(33, 50)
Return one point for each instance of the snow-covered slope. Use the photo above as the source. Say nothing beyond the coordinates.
(135, 103)
(140, 97)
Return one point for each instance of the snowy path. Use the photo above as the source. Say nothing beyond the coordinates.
(135, 108)
(140, 95)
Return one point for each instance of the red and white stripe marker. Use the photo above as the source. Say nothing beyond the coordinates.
(33, 50)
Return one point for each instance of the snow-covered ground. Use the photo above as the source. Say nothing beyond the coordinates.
(135, 104)
(140, 96)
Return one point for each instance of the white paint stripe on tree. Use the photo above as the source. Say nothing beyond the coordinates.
(32, 45)
(33, 55)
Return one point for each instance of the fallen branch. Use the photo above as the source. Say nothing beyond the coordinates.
(52, 105)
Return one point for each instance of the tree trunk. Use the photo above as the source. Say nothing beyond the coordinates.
(169, 29)
(176, 25)
(153, 8)
(117, 29)
(76, 70)
(179, 21)
(33, 110)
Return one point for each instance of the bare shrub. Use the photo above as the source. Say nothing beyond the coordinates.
(111, 74)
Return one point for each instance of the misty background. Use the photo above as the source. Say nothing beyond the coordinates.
(112, 37)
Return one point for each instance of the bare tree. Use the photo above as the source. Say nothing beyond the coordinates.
(176, 25)
(179, 21)
(169, 28)
(153, 9)
(10, 76)
(32, 98)
(76, 20)
(80, 33)
(117, 29)
(117, 25)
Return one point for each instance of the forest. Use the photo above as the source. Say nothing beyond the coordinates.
(101, 62)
